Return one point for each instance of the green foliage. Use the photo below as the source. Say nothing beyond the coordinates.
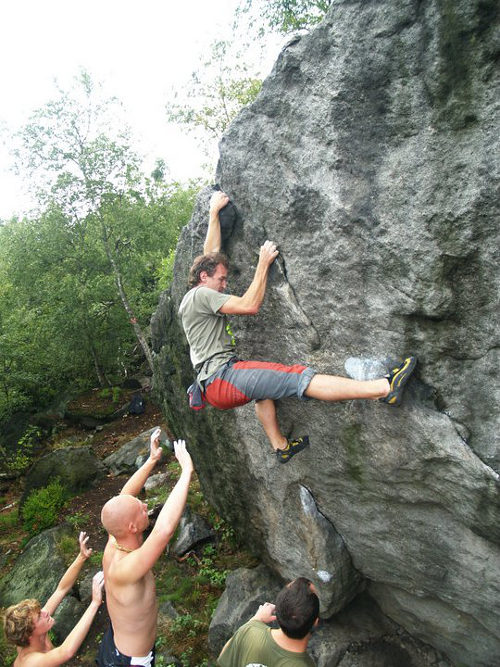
(79, 280)
(165, 272)
(8, 652)
(68, 546)
(42, 507)
(23, 457)
(209, 570)
(186, 624)
(285, 16)
(78, 520)
(113, 393)
(224, 530)
(8, 520)
(96, 558)
(218, 90)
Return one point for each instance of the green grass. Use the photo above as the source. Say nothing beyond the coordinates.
(194, 587)
(8, 520)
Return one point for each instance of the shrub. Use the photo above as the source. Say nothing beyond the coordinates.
(41, 509)
(113, 393)
(78, 520)
(23, 457)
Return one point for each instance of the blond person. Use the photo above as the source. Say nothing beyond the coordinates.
(27, 623)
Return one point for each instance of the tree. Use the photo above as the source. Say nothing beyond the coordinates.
(83, 167)
(61, 321)
(285, 16)
(81, 276)
(216, 93)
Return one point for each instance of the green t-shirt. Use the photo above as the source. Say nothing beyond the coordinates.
(205, 329)
(252, 645)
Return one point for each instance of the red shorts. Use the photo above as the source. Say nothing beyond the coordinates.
(243, 381)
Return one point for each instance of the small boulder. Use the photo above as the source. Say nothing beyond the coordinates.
(124, 460)
(77, 468)
(155, 481)
(193, 530)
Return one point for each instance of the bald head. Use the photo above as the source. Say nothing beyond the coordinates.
(122, 515)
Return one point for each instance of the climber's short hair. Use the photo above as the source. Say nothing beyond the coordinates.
(297, 608)
(19, 621)
(208, 263)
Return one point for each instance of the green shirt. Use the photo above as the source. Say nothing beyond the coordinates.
(205, 329)
(252, 645)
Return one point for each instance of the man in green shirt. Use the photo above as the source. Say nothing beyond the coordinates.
(254, 643)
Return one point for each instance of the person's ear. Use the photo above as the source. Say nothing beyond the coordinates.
(203, 276)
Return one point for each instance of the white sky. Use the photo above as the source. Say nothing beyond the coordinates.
(137, 49)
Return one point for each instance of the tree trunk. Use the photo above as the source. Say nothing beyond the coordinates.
(123, 296)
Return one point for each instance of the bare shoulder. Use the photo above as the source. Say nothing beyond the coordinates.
(28, 660)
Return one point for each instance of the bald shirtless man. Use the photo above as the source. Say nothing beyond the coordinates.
(128, 561)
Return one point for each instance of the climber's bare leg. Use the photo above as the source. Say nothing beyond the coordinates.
(266, 413)
(335, 388)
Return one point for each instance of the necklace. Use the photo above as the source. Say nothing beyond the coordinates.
(121, 547)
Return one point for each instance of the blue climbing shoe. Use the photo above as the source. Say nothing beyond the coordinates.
(397, 379)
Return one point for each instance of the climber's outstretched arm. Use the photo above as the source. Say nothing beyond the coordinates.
(251, 301)
(213, 240)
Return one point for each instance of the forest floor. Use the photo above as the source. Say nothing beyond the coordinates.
(192, 585)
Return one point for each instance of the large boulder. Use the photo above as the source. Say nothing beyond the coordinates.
(370, 156)
(77, 468)
(38, 569)
(36, 574)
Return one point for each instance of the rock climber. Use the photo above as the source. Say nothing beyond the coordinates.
(225, 381)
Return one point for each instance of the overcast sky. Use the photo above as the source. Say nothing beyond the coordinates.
(138, 50)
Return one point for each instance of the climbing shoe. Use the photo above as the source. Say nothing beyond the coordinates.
(293, 447)
(397, 379)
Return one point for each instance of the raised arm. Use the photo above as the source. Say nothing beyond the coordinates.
(213, 239)
(136, 482)
(135, 565)
(70, 576)
(64, 652)
(251, 301)
(265, 614)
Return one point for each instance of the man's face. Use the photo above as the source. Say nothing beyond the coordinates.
(142, 519)
(43, 623)
(218, 281)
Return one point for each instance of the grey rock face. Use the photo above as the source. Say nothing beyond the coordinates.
(371, 158)
(361, 636)
(67, 616)
(193, 530)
